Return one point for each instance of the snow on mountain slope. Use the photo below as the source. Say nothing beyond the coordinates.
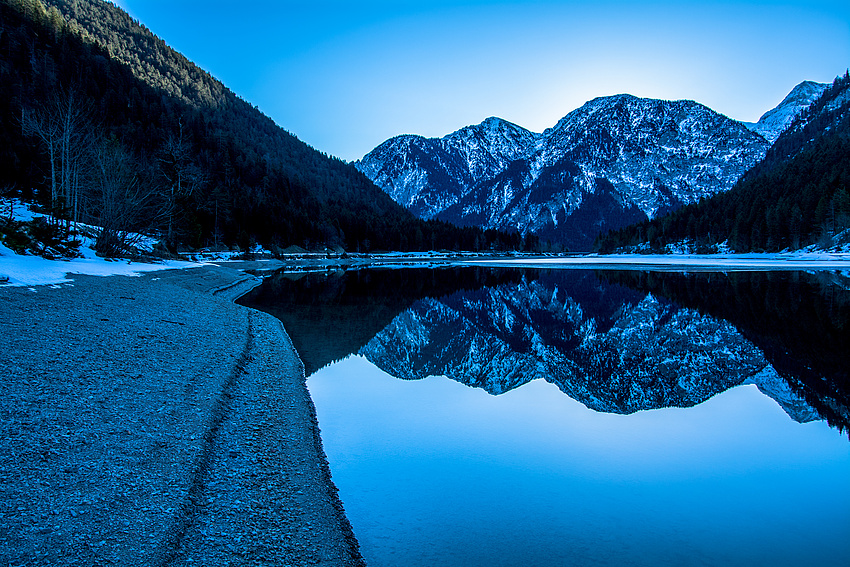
(492, 145)
(613, 161)
(775, 121)
(655, 153)
(427, 175)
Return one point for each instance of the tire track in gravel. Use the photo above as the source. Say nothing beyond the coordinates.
(188, 509)
(266, 496)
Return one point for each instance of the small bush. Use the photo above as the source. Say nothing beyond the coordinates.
(40, 238)
(14, 236)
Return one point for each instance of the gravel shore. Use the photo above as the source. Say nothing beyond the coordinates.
(151, 421)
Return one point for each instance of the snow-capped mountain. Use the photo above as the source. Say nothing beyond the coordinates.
(777, 120)
(612, 350)
(614, 161)
(649, 155)
(410, 167)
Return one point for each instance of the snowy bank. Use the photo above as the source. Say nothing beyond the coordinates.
(29, 270)
(20, 270)
(791, 261)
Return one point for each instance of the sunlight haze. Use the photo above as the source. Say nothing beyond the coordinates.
(345, 77)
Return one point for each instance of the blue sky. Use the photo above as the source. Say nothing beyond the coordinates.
(345, 76)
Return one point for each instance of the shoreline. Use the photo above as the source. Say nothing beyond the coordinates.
(681, 262)
(152, 421)
(791, 261)
(28, 271)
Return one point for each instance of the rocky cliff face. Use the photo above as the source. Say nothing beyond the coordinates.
(613, 351)
(614, 161)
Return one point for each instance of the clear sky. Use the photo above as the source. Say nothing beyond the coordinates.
(345, 76)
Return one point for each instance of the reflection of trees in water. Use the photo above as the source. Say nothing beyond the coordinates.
(800, 321)
(330, 315)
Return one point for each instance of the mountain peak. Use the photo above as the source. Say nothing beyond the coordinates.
(627, 108)
(492, 127)
(494, 122)
(776, 120)
(610, 100)
(804, 93)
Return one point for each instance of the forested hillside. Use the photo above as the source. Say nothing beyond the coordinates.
(103, 123)
(798, 195)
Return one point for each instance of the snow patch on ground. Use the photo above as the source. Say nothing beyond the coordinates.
(839, 243)
(18, 270)
(26, 270)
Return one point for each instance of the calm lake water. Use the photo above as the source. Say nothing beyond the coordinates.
(523, 417)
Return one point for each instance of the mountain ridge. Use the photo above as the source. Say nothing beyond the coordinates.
(776, 120)
(796, 196)
(626, 158)
(456, 160)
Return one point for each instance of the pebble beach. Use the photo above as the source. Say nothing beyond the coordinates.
(149, 420)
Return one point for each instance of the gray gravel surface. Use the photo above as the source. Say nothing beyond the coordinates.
(151, 421)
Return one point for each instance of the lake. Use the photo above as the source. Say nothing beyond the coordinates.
(500, 417)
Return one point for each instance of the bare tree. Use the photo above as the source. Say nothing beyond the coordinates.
(123, 203)
(8, 191)
(95, 180)
(64, 127)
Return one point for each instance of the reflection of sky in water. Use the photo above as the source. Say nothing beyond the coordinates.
(434, 473)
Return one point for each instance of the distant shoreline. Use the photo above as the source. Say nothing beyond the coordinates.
(791, 261)
(18, 270)
(684, 262)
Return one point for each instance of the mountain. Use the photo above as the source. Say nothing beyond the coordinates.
(188, 159)
(797, 196)
(775, 121)
(408, 167)
(612, 350)
(614, 161)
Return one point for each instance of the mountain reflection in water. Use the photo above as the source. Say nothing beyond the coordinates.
(436, 474)
(617, 342)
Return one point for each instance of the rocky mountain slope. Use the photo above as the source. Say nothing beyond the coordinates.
(611, 349)
(614, 161)
(430, 175)
(796, 196)
(777, 120)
